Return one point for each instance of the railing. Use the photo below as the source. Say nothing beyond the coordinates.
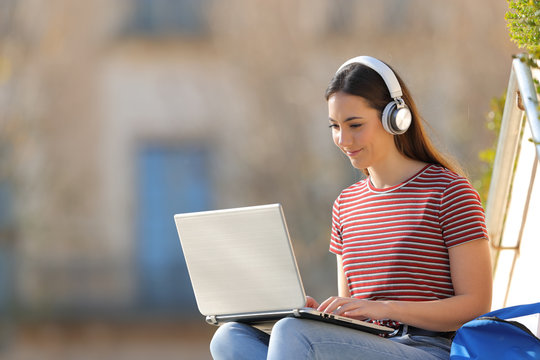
(514, 196)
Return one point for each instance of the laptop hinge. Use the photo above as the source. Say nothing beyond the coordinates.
(211, 319)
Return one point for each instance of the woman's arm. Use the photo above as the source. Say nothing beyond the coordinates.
(343, 287)
(470, 266)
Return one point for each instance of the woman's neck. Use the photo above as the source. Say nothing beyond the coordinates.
(394, 171)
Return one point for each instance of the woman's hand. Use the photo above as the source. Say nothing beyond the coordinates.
(311, 302)
(354, 308)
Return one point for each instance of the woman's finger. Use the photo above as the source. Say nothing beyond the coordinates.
(311, 302)
(334, 304)
(324, 305)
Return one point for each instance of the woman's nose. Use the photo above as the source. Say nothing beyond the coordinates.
(343, 138)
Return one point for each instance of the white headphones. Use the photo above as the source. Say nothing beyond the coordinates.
(396, 116)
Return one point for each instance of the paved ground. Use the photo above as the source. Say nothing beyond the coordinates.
(107, 341)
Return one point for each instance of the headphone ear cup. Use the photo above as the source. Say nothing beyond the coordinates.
(396, 120)
(386, 117)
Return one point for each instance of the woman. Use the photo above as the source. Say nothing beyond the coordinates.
(410, 240)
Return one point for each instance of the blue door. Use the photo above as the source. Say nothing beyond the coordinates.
(172, 179)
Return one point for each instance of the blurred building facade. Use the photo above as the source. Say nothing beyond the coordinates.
(116, 115)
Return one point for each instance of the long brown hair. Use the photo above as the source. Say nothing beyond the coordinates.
(360, 80)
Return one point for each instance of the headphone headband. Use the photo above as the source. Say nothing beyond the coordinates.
(382, 69)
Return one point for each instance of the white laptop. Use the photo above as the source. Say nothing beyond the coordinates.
(242, 268)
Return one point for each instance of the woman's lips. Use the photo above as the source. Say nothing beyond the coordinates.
(352, 153)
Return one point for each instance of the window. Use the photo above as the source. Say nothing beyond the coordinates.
(171, 179)
(166, 17)
(6, 246)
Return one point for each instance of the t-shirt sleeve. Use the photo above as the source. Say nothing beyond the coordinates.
(336, 241)
(461, 214)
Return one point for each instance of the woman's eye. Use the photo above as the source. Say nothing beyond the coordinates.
(355, 125)
(333, 126)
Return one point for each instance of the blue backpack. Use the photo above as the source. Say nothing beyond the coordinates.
(492, 337)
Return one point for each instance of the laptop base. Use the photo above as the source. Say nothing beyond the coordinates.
(265, 321)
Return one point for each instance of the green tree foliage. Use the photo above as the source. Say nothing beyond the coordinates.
(487, 156)
(523, 20)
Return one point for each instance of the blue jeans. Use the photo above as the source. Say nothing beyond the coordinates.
(307, 339)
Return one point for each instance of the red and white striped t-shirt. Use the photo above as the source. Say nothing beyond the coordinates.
(394, 242)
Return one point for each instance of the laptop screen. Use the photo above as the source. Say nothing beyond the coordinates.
(240, 260)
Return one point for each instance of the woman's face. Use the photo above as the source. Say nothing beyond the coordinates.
(357, 130)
